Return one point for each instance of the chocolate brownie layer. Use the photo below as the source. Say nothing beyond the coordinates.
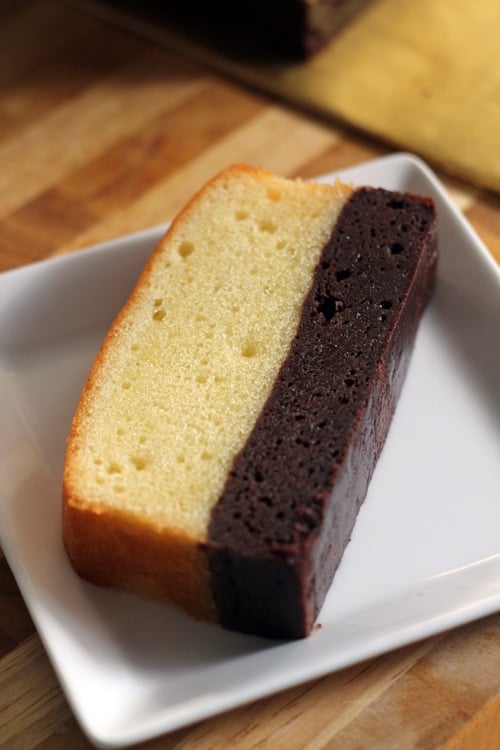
(253, 29)
(279, 529)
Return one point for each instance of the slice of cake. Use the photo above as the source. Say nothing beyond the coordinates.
(248, 30)
(229, 427)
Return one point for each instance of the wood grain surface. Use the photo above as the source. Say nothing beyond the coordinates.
(102, 134)
(412, 74)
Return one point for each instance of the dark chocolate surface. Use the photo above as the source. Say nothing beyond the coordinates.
(280, 527)
(250, 31)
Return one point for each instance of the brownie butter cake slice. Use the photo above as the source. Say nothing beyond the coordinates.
(231, 422)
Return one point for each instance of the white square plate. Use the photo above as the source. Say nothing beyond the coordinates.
(425, 554)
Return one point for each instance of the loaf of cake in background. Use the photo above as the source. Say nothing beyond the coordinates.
(284, 30)
(232, 420)
(293, 28)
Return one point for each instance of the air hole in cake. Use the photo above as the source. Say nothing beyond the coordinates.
(159, 313)
(267, 226)
(249, 350)
(349, 382)
(397, 203)
(383, 317)
(138, 462)
(241, 214)
(258, 476)
(328, 306)
(142, 439)
(274, 194)
(206, 456)
(386, 304)
(126, 385)
(134, 347)
(201, 379)
(342, 275)
(98, 461)
(264, 500)
(185, 249)
(114, 468)
(395, 248)
(181, 459)
(119, 488)
(302, 442)
(120, 431)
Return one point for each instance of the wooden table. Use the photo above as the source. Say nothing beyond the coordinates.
(102, 134)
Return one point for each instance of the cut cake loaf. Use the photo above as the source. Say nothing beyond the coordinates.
(288, 28)
(232, 420)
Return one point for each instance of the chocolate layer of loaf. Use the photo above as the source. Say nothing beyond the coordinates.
(251, 30)
(279, 529)
(293, 28)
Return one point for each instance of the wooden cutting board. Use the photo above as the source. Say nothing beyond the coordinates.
(422, 76)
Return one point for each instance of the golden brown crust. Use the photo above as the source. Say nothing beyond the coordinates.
(112, 549)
